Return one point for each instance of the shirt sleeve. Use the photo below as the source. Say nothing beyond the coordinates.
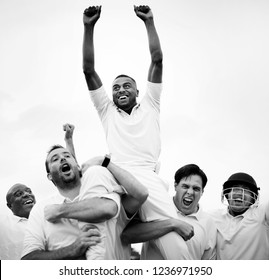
(210, 252)
(153, 94)
(100, 100)
(34, 236)
(99, 182)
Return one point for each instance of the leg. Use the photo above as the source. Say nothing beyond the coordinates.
(173, 247)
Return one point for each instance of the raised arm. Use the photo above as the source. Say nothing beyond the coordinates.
(90, 17)
(88, 236)
(68, 138)
(137, 232)
(136, 193)
(156, 66)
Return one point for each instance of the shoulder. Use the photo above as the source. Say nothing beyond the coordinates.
(101, 177)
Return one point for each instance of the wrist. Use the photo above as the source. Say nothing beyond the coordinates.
(149, 21)
(106, 161)
(173, 224)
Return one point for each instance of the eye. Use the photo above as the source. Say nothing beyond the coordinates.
(28, 191)
(53, 159)
(18, 194)
(196, 189)
(127, 86)
(116, 88)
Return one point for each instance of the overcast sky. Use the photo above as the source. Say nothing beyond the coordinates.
(214, 108)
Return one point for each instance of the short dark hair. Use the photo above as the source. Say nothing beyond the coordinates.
(52, 148)
(125, 76)
(188, 170)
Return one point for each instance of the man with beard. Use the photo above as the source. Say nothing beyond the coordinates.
(20, 200)
(243, 227)
(190, 182)
(133, 195)
(65, 232)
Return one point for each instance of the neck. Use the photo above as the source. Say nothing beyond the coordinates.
(70, 191)
(236, 213)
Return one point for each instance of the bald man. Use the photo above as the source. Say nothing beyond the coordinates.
(20, 200)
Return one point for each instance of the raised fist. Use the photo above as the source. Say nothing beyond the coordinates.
(143, 9)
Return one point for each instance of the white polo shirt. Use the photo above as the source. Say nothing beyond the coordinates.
(12, 230)
(202, 246)
(133, 140)
(135, 145)
(43, 235)
(244, 237)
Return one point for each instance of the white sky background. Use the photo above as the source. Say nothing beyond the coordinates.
(215, 100)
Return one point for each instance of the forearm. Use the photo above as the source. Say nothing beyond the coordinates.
(65, 253)
(143, 232)
(93, 210)
(93, 80)
(154, 42)
(70, 147)
(88, 49)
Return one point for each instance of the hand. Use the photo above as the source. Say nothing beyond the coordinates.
(184, 229)
(88, 236)
(143, 12)
(51, 213)
(91, 15)
(91, 162)
(69, 129)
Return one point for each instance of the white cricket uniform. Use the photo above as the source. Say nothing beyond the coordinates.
(244, 237)
(202, 246)
(134, 143)
(12, 230)
(43, 235)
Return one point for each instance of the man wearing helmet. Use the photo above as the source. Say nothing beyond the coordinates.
(243, 228)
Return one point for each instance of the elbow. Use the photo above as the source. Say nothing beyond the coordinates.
(125, 238)
(110, 211)
(157, 57)
(88, 71)
(144, 196)
(88, 68)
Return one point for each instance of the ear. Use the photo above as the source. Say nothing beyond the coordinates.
(80, 171)
(137, 93)
(49, 176)
(9, 206)
(175, 184)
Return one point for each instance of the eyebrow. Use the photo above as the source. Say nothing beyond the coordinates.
(126, 83)
(27, 190)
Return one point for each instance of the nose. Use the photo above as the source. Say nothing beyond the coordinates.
(62, 158)
(238, 190)
(121, 89)
(190, 191)
(26, 193)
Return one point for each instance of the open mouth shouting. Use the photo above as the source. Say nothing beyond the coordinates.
(187, 201)
(65, 168)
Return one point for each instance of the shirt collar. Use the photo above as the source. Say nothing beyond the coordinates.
(197, 215)
(19, 219)
(63, 199)
(134, 108)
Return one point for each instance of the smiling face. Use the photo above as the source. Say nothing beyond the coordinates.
(240, 198)
(124, 93)
(20, 200)
(63, 169)
(188, 193)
